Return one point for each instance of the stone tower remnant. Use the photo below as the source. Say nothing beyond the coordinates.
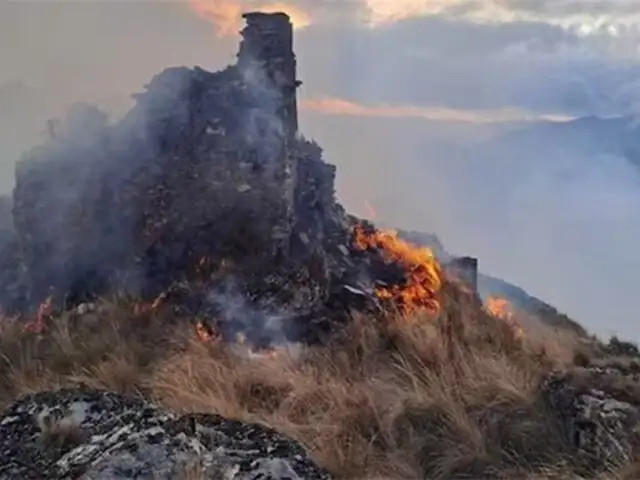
(267, 45)
(466, 270)
(205, 165)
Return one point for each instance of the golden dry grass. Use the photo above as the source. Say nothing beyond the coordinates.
(393, 398)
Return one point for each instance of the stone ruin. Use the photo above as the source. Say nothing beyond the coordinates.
(207, 172)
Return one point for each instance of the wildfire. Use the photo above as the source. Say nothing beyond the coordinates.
(226, 15)
(423, 273)
(499, 307)
(502, 309)
(45, 310)
(146, 307)
(268, 353)
(206, 333)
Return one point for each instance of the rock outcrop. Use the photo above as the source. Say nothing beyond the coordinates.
(599, 413)
(93, 434)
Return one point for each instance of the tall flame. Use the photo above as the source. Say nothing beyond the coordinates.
(423, 278)
(226, 15)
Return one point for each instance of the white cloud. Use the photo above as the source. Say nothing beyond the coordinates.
(586, 17)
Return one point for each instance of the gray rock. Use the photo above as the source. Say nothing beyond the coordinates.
(93, 434)
(599, 421)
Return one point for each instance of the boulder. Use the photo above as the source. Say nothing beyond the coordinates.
(599, 413)
(93, 434)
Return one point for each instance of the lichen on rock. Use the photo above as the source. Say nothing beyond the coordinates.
(600, 421)
(128, 438)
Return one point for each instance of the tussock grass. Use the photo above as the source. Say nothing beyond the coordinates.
(397, 398)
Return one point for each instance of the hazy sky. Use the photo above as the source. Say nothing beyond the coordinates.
(392, 89)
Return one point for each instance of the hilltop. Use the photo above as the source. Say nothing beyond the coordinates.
(184, 297)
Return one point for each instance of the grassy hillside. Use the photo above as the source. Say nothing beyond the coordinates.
(455, 396)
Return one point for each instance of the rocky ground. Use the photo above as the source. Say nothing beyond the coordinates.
(84, 433)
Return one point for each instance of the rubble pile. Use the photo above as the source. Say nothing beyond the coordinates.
(207, 173)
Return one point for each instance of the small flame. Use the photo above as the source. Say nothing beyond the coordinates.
(265, 353)
(243, 346)
(423, 278)
(146, 307)
(158, 301)
(226, 15)
(499, 307)
(206, 333)
(45, 310)
(257, 353)
(502, 309)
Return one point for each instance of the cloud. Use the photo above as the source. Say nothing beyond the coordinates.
(544, 206)
(585, 15)
(226, 14)
(429, 61)
(339, 106)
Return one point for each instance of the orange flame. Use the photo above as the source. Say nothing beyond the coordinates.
(423, 272)
(499, 307)
(206, 333)
(265, 353)
(502, 309)
(226, 15)
(146, 307)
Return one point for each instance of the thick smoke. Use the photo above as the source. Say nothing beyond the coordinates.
(104, 160)
(547, 212)
(263, 126)
(91, 162)
(238, 317)
(554, 215)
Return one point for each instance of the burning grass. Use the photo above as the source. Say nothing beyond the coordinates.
(423, 277)
(454, 397)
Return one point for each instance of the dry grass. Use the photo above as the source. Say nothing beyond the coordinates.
(452, 397)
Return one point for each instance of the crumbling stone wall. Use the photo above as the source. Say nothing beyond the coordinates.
(267, 43)
(204, 165)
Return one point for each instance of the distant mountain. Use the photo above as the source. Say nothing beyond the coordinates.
(587, 136)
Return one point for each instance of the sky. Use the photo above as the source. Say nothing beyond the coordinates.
(398, 93)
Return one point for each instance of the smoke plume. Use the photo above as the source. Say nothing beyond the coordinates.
(542, 204)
